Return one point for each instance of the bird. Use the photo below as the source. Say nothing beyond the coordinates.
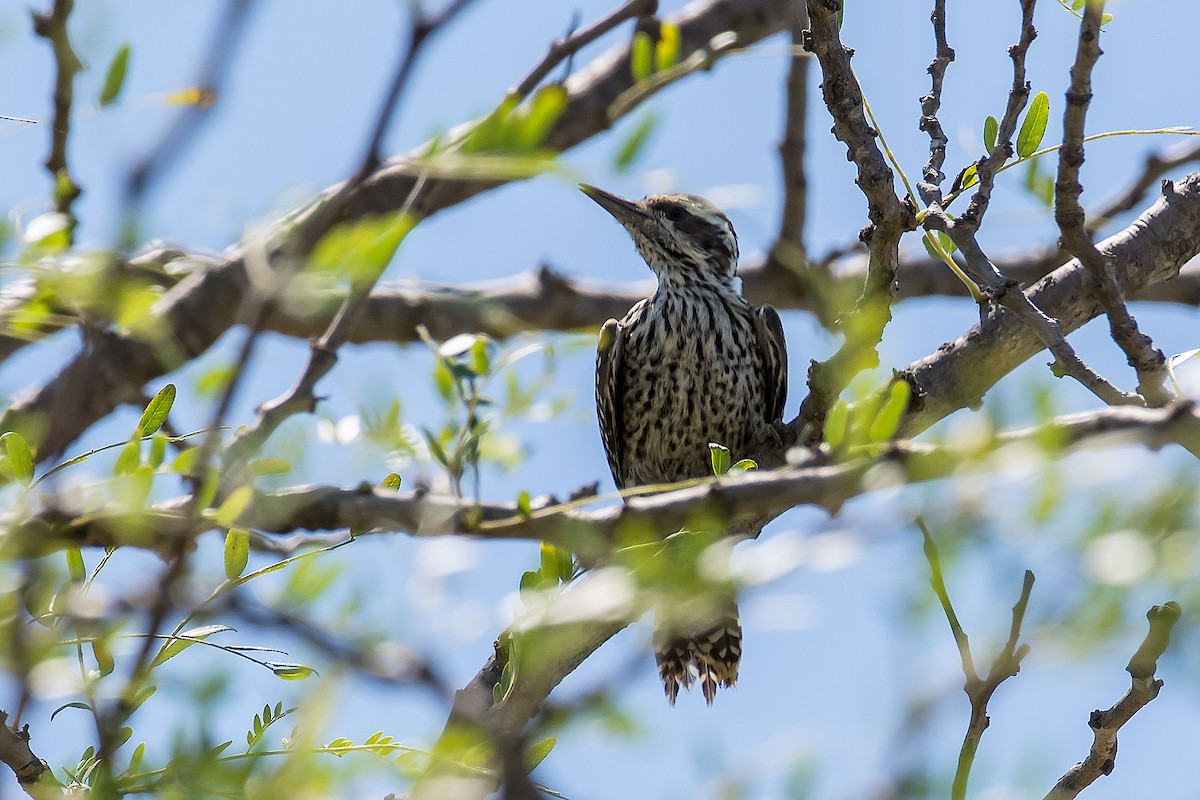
(692, 364)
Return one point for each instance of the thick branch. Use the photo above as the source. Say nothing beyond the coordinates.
(1150, 250)
(591, 533)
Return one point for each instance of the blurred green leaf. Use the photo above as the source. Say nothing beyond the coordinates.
(887, 421)
(837, 422)
(539, 115)
(158, 451)
(1033, 128)
(392, 481)
(237, 552)
(537, 752)
(75, 566)
(20, 459)
(104, 657)
(129, 459)
(745, 465)
(291, 672)
(1039, 184)
(233, 506)
(156, 411)
(268, 466)
(634, 144)
(641, 56)
(360, 249)
(524, 507)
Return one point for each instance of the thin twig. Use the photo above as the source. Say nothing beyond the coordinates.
(930, 188)
(1148, 361)
(1144, 687)
(52, 26)
(564, 48)
(789, 250)
(979, 690)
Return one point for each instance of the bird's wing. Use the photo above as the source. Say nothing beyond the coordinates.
(609, 390)
(773, 346)
(610, 387)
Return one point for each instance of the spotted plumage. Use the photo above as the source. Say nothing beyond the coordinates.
(693, 363)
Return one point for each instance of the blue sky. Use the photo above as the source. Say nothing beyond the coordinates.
(830, 646)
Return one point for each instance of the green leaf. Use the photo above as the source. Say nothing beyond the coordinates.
(544, 109)
(933, 253)
(549, 567)
(359, 250)
(268, 466)
(537, 753)
(991, 130)
(75, 565)
(670, 44)
(887, 421)
(837, 422)
(531, 581)
(1105, 19)
(946, 242)
(129, 459)
(524, 505)
(185, 462)
(185, 640)
(156, 411)
(20, 459)
(745, 465)
(65, 706)
(158, 451)
(494, 131)
(641, 56)
(135, 760)
(237, 552)
(392, 481)
(104, 657)
(1034, 127)
(719, 455)
(141, 697)
(443, 379)
(481, 356)
(633, 145)
(1039, 184)
(291, 672)
(234, 505)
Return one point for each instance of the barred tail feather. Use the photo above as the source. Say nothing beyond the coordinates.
(710, 657)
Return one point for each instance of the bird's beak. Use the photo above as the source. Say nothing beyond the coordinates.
(627, 212)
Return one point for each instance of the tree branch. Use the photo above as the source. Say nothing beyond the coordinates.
(1149, 362)
(890, 219)
(1101, 758)
(52, 26)
(590, 533)
(1150, 250)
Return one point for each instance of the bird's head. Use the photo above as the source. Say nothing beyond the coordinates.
(685, 239)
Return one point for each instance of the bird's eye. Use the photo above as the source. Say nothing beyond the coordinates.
(675, 213)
